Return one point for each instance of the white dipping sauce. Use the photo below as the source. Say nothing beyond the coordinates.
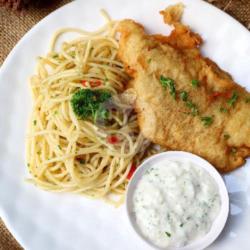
(175, 203)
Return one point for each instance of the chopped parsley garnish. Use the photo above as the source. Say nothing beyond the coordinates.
(195, 83)
(59, 147)
(88, 104)
(193, 107)
(56, 112)
(223, 110)
(167, 82)
(149, 60)
(184, 96)
(168, 216)
(168, 234)
(181, 225)
(233, 99)
(207, 120)
(101, 113)
(34, 122)
(226, 136)
(81, 161)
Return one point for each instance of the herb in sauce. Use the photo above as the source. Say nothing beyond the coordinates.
(195, 83)
(59, 147)
(149, 60)
(167, 82)
(184, 96)
(156, 216)
(34, 122)
(168, 234)
(207, 120)
(81, 161)
(233, 99)
(226, 136)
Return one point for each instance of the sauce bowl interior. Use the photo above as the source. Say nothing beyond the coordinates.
(218, 223)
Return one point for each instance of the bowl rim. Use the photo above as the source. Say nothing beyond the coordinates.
(218, 223)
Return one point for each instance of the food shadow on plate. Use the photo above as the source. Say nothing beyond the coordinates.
(238, 207)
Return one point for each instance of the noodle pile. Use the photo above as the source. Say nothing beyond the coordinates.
(65, 153)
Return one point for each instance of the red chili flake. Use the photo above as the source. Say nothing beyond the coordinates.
(92, 84)
(131, 171)
(112, 139)
(216, 94)
(226, 95)
(84, 83)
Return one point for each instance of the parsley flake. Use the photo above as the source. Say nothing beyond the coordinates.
(195, 83)
(207, 120)
(168, 234)
(193, 107)
(184, 96)
(167, 82)
(223, 110)
(233, 99)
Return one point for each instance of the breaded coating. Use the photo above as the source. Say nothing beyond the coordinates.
(183, 100)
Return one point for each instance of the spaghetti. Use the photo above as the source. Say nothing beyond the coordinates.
(68, 154)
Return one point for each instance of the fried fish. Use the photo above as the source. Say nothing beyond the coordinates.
(184, 101)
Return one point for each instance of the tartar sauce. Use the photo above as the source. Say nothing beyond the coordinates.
(175, 203)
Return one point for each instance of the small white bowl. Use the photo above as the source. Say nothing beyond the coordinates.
(218, 223)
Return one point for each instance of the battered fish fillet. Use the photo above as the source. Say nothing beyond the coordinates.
(183, 100)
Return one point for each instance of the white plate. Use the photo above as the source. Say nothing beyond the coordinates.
(41, 220)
